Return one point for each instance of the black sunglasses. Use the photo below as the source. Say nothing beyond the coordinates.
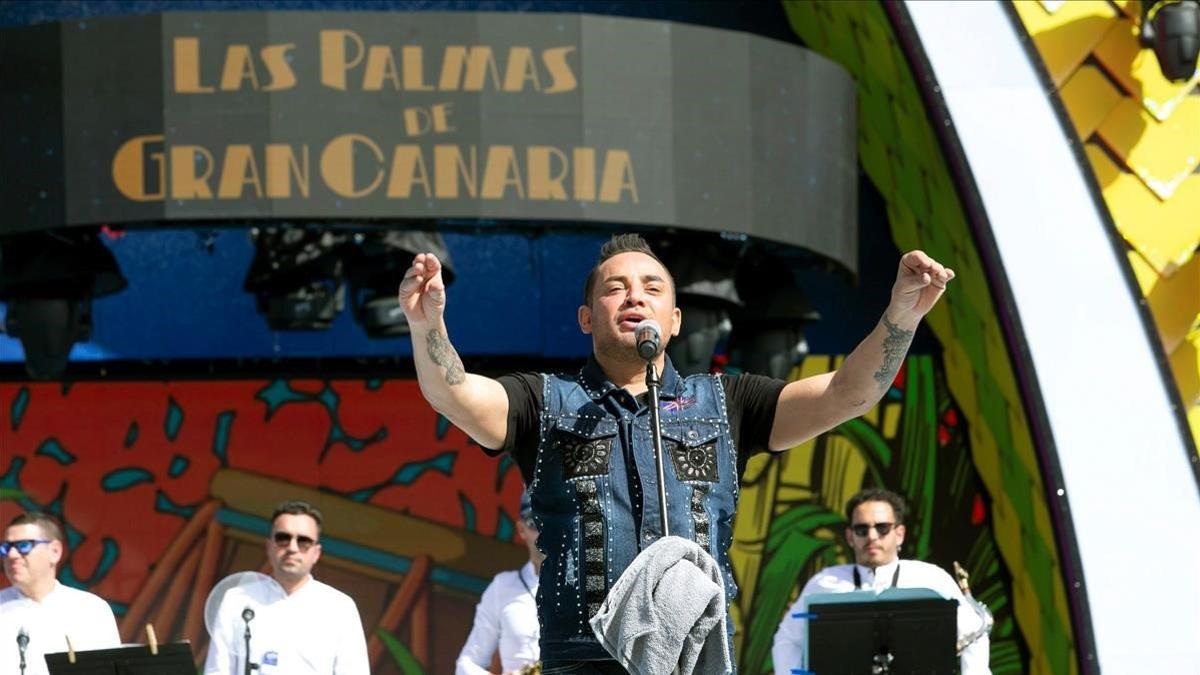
(23, 546)
(861, 529)
(303, 541)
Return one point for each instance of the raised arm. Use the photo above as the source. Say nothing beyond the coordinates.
(477, 405)
(817, 404)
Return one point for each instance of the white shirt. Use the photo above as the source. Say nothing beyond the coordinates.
(789, 639)
(506, 617)
(85, 618)
(314, 630)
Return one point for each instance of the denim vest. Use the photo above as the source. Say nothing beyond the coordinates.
(594, 518)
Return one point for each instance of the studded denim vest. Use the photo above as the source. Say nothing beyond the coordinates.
(594, 520)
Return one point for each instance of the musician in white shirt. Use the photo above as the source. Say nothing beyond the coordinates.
(300, 626)
(875, 533)
(506, 618)
(37, 606)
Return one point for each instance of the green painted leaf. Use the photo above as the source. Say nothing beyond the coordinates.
(405, 661)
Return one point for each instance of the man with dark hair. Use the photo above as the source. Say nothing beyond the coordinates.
(51, 617)
(875, 532)
(506, 623)
(582, 440)
(301, 625)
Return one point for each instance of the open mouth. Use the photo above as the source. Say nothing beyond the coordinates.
(628, 322)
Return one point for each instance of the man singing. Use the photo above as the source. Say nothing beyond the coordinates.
(583, 444)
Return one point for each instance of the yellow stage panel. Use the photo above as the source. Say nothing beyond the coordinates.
(1174, 301)
(1185, 364)
(1089, 97)
(1165, 233)
(1066, 36)
(1161, 154)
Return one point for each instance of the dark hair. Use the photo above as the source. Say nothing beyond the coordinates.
(295, 507)
(47, 523)
(618, 244)
(899, 506)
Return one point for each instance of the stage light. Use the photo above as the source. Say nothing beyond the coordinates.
(703, 267)
(48, 280)
(376, 261)
(297, 276)
(1172, 29)
(768, 334)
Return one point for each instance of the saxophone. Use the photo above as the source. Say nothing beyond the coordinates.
(534, 668)
(985, 615)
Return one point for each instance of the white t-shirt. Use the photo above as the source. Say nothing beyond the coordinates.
(505, 618)
(85, 618)
(789, 638)
(315, 630)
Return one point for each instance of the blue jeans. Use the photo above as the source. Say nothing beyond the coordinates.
(582, 668)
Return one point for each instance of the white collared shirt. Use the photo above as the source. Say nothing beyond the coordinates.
(505, 618)
(789, 638)
(64, 612)
(315, 630)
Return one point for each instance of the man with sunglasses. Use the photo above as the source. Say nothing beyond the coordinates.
(301, 626)
(875, 532)
(37, 610)
(506, 619)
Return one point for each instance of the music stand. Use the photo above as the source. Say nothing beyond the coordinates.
(172, 659)
(898, 632)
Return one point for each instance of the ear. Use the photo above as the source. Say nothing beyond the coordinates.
(585, 319)
(318, 548)
(849, 538)
(677, 319)
(899, 534)
(56, 551)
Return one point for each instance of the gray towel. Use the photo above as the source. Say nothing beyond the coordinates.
(667, 611)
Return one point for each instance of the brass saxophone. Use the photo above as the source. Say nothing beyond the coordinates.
(534, 668)
(985, 615)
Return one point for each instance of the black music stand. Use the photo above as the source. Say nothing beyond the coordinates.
(172, 659)
(903, 636)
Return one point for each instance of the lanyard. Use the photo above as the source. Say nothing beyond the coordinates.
(858, 579)
(521, 576)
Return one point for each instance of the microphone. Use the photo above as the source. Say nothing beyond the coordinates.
(22, 643)
(648, 335)
(247, 616)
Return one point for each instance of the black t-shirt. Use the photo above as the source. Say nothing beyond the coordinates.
(750, 402)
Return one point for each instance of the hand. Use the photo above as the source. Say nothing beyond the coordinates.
(423, 292)
(920, 282)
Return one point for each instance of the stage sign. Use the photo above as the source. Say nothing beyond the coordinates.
(236, 116)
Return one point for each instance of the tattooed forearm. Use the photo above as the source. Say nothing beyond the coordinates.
(895, 345)
(443, 354)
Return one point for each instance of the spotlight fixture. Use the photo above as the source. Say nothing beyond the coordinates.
(1172, 29)
(703, 268)
(297, 276)
(768, 335)
(376, 261)
(48, 280)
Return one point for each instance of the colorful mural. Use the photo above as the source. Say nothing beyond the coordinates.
(168, 487)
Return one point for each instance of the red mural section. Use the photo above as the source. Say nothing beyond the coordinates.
(125, 464)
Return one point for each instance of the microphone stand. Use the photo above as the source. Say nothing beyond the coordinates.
(653, 384)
